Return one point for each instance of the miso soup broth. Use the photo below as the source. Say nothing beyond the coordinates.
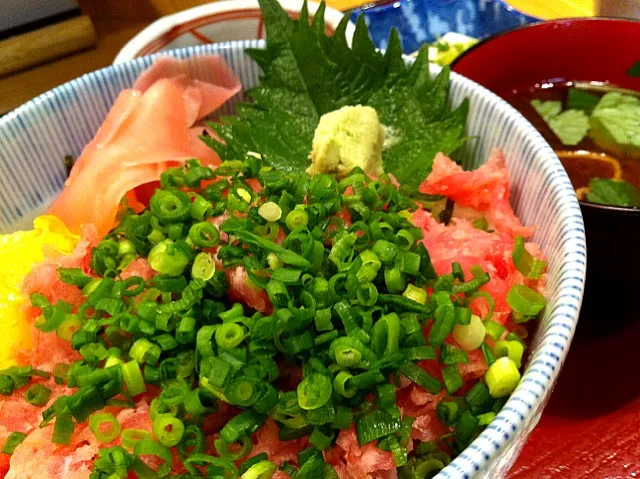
(586, 159)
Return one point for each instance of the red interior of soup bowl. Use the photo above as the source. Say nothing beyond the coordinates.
(589, 49)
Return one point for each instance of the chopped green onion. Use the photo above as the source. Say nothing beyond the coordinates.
(165, 258)
(530, 266)
(224, 448)
(203, 267)
(452, 378)
(421, 377)
(133, 379)
(394, 279)
(270, 212)
(64, 425)
(525, 302)
(243, 424)
(342, 386)
(73, 276)
(486, 418)
(489, 358)
(297, 217)
(370, 266)
(470, 337)
(168, 429)
(416, 294)
(447, 412)
(37, 395)
(101, 421)
(170, 206)
(319, 439)
(376, 425)
(149, 447)
(494, 330)
(260, 470)
(130, 437)
(452, 355)
(204, 234)
(466, 427)
(511, 349)
(502, 377)
(193, 442)
(314, 391)
(481, 224)
(229, 335)
(13, 441)
(60, 372)
(243, 391)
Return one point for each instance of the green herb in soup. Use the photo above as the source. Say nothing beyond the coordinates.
(595, 132)
(634, 70)
(615, 124)
(613, 192)
(571, 126)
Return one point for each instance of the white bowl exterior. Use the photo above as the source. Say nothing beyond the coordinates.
(235, 29)
(35, 137)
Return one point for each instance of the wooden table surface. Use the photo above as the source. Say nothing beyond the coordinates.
(112, 35)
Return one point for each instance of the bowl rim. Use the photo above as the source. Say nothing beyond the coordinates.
(537, 24)
(627, 210)
(164, 24)
(520, 413)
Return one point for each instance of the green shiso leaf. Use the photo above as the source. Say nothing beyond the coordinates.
(307, 74)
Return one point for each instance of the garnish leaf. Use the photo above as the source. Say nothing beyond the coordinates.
(616, 121)
(634, 70)
(578, 99)
(613, 192)
(307, 74)
(547, 109)
(570, 126)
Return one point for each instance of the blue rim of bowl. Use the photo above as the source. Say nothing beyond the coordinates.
(518, 415)
(626, 210)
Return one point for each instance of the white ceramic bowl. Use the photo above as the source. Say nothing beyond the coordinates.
(35, 137)
(223, 21)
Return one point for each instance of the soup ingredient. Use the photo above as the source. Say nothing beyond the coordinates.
(613, 192)
(615, 124)
(345, 139)
(571, 126)
(578, 99)
(19, 252)
(634, 70)
(307, 75)
(121, 158)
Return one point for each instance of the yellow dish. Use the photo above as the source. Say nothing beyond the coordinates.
(19, 252)
(551, 10)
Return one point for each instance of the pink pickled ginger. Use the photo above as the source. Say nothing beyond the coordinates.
(149, 129)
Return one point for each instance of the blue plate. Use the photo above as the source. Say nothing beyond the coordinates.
(420, 21)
